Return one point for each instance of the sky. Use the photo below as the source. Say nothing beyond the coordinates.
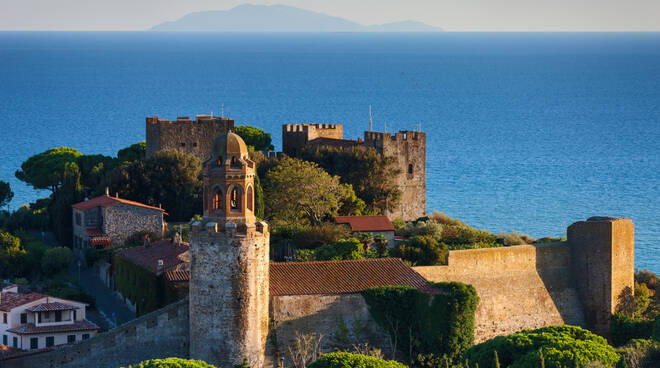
(451, 15)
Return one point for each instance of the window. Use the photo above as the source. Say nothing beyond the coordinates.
(78, 219)
(50, 341)
(4, 339)
(217, 200)
(75, 315)
(58, 316)
(235, 199)
(85, 336)
(71, 338)
(219, 162)
(39, 317)
(249, 199)
(47, 315)
(234, 162)
(23, 318)
(183, 144)
(4, 319)
(194, 144)
(410, 168)
(15, 341)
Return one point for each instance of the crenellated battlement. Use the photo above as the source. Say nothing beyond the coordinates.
(402, 135)
(311, 126)
(192, 136)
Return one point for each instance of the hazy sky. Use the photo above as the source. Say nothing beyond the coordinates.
(458, 15)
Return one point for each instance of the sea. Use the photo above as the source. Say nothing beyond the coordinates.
(526, 132)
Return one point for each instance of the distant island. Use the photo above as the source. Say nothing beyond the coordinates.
(279, 18)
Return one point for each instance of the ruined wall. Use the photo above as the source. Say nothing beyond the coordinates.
(519, 287)
(123, 220)
(409, 148)
(190, 136)
(161, 334)
(321, 314)
(296, 136)
(228, 291)
(603, 250)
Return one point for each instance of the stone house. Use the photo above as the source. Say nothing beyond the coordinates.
(104, 221)
(376, 225)
(36, 321)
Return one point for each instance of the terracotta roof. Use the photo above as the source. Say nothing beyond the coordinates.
(147, 256)
(48, 307)
(107, 201)
(333, 142)
(341, 277)
(94, 232)
(30, 328)
(366, 223)
(12, 300)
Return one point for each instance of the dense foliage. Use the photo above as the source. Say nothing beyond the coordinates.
(343, 249)
(420, 323)
(639, 353)
(297, 191)
(422, 250)
(12, 256)
(5, 193)
(560, 346)
(46, 170)
(56, 260)
(348, 360)
(372, 175)
(134, 152)
(624, 329)
(255, 138)
(171, 363)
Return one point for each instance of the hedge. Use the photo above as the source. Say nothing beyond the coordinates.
(348, 360)
(171, 363)
(624, 329)
(422, 323)
(561, 346)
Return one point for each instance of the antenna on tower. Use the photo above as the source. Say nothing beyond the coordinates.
(222, 114)
(419, 126)
(385, 127)
(371, 121)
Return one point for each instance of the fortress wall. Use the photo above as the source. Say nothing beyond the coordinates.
(190, 136)
(321, 314)
(160, 334)
(520, 287)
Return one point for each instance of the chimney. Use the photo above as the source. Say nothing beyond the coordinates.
(107, 191)
(116, 194)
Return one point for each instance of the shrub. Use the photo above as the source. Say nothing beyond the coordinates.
(171, 363)
(639, 353)
(561, 346)
(441, 218)
(515, 238)
(348, 360)
(345, 249)
(56, 260)
(422, 251)
(624, 328)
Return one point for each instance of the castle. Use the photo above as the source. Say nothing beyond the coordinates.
(408, 147)
(241, 306)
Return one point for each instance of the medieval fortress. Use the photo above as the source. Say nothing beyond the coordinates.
(241, 306)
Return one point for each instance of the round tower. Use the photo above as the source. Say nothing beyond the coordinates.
(229, 262)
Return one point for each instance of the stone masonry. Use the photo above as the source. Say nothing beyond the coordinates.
(190, 136)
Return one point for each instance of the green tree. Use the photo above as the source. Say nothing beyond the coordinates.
(93, 170)
(341, 250)
(5, 193)
(421, 250)
(60, 211)
(171, 363)
(348, 360)
(372, 175)
(134, 152)
(12, 256)
(46, 170)
(259, 204)
(168, 178)
(297, 191)
(56, 260)
(255, 137)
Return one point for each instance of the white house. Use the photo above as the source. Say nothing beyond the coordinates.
(36, 321)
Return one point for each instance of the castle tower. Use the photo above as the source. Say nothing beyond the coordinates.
(229, 282)
(603, 257)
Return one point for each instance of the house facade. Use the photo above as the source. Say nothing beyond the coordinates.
(36, 321)
(103, 221)
(376, 225)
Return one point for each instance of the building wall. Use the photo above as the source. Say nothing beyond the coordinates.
(59, 338)
(161, 334)
(520, 287)
(296, 136)
(409, 148)
(123, 220)
(228, 291)
(321, 314)
(190, 136)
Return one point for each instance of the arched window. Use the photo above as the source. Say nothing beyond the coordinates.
(410, 168)
(250, 199)
(234, 162)
(219, 162)
(235, 199)
(217, 200)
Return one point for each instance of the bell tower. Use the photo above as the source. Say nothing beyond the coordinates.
(229, 254)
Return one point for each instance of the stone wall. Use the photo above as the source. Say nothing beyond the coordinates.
(190, 136)
(123, 220)
(296, 136)
(519, 287)
(321, 314)
(161, 334)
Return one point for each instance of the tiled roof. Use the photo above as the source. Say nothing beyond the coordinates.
(12, 300)
(48, 307)
(94, 232)
(30, 328)
(147, 256)
(107, 201)
(366, 223)
(333, 142)
(341, 277)
(177, 275)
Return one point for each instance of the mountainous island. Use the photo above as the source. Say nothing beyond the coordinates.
(280, 18)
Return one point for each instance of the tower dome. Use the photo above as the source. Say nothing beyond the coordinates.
(229, 145)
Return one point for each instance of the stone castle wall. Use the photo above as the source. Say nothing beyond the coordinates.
(160, 334)
(229, 291)
(321, 314)
(120, 221)
(520, 287)
(190, 136)
(296, 136)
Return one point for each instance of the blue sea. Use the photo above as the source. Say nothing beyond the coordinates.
(526, 132)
